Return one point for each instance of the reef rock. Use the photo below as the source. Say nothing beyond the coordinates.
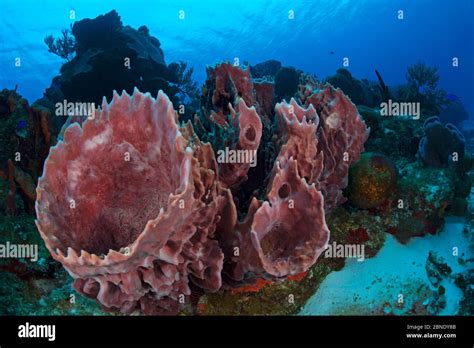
(361, 92)
(128, 57)
(268, 68)
(286, 82)
(226, 83)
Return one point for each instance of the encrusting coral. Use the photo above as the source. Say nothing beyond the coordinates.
(140, 212)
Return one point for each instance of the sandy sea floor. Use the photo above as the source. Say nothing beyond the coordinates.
(367, 287)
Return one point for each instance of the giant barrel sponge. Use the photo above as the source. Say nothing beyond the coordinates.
(139, 212)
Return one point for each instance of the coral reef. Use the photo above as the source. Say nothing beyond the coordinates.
(174, 225)
(147, 214)
(420, 203)
(443, 146)
(343, 79)
(41, 287)
(150, 219)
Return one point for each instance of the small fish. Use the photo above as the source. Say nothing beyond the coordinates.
(452, 97)
(21, 130)
(22, 124)
(332, 52)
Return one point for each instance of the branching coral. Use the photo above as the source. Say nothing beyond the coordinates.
(422, 87)
(421, 76)
(184, 78)
(64, 46)
(140, 210)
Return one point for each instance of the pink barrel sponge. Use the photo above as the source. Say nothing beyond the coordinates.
(282, 236)
(139, 211)
(118, 207)
(249, 124)
(341, 137)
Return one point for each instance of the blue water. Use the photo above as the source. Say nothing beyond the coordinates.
(366, 31)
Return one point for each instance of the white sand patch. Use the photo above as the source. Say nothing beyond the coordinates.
(364, 287)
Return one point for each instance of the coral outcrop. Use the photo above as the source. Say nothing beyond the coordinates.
(286, 82)
(224, 85)
(361, 92)
(128, 57)
(395, 137)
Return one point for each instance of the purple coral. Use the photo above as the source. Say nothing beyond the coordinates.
(440, 142)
